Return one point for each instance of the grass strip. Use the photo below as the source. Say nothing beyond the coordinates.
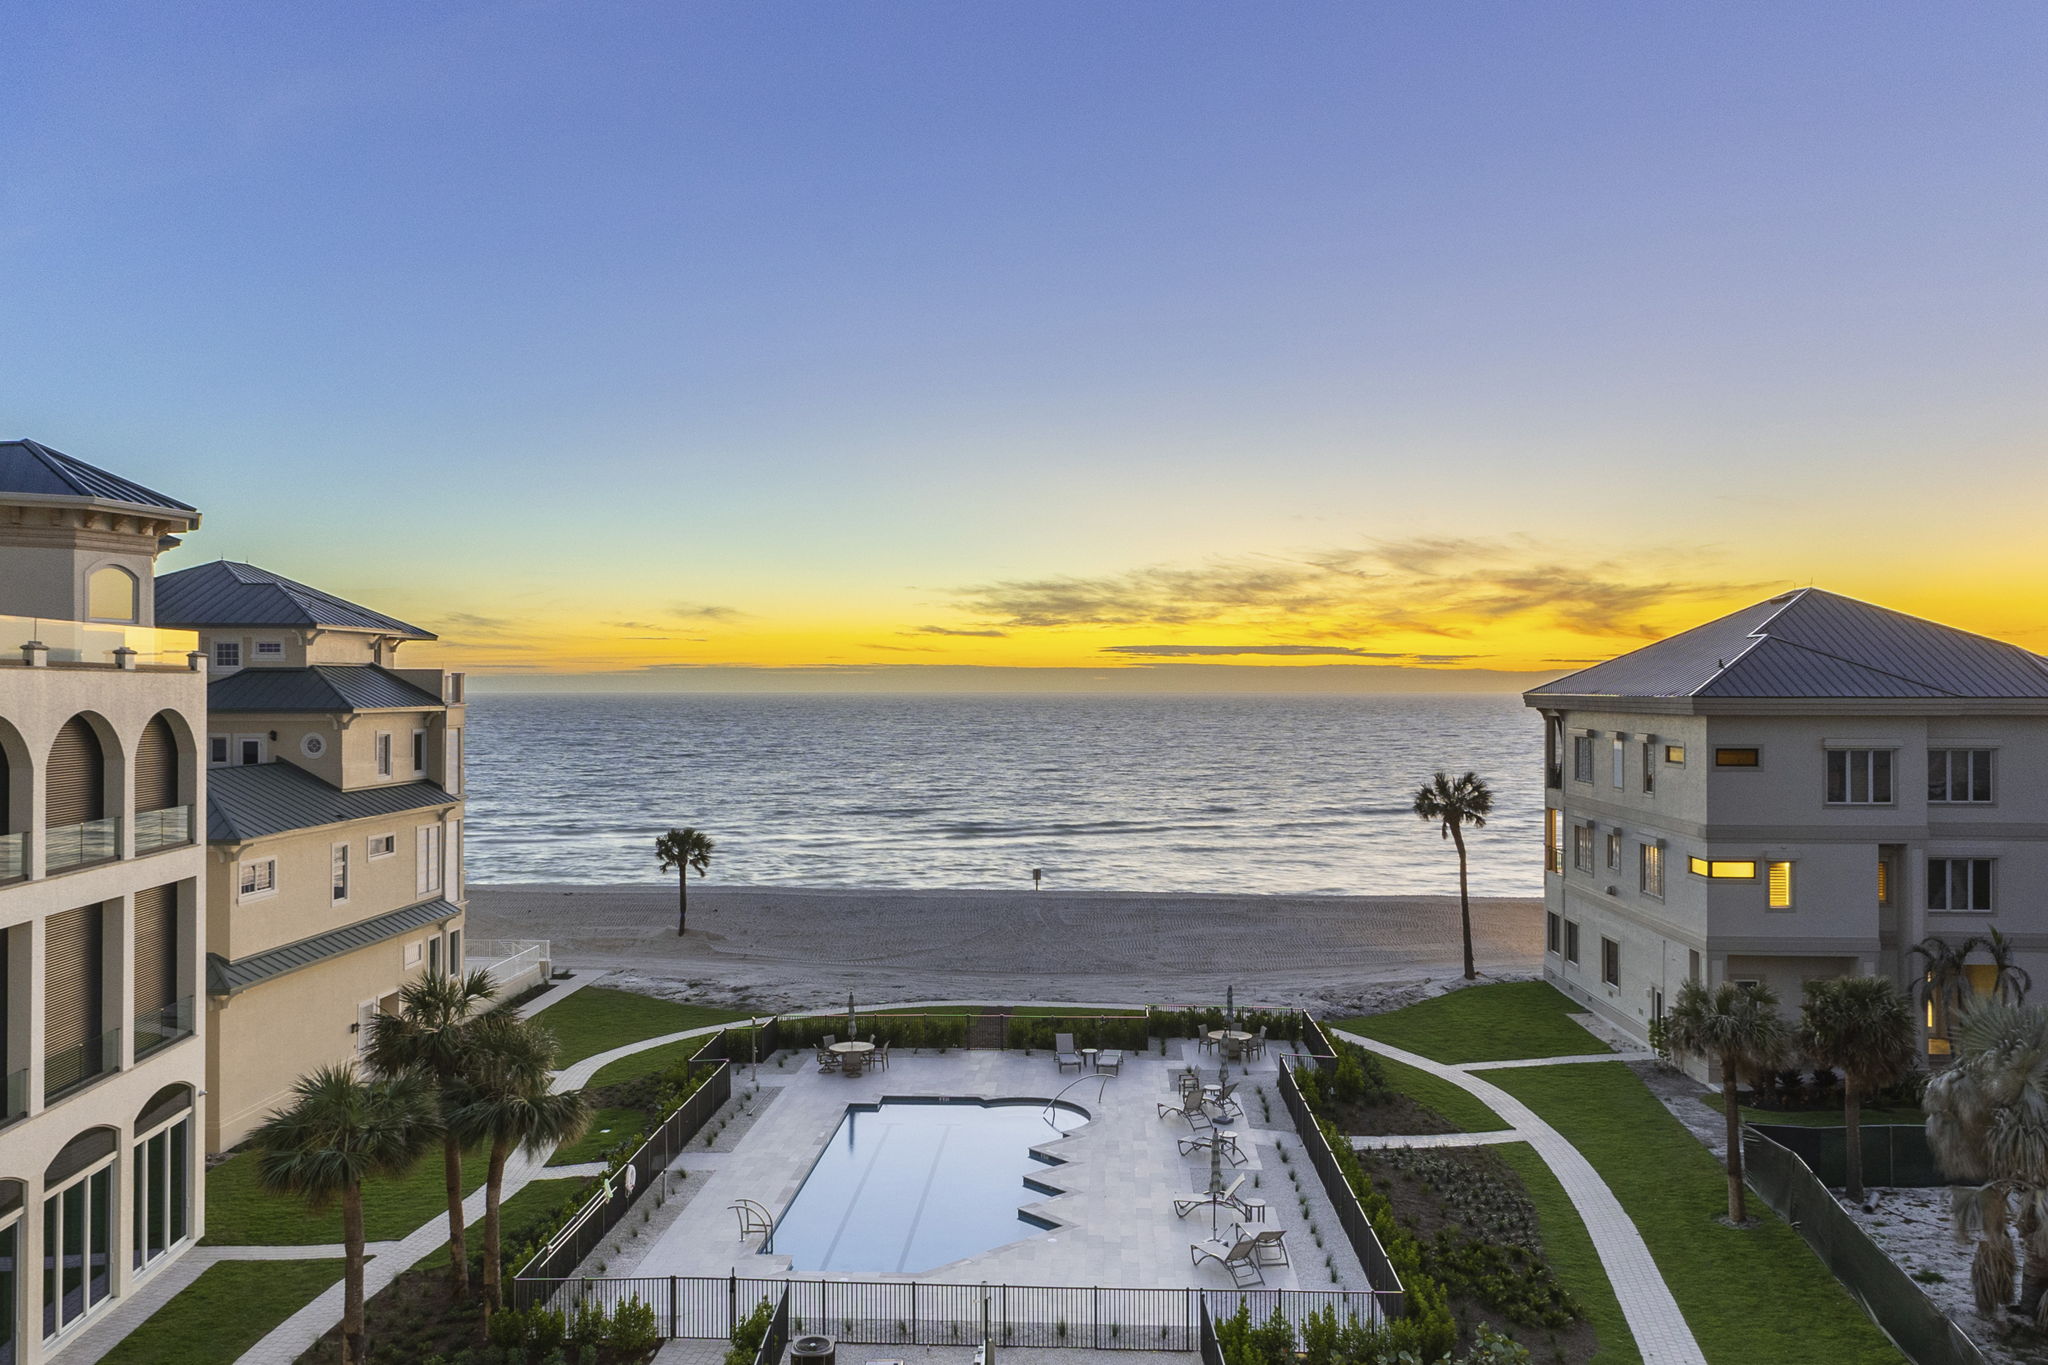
(1460, 1106)
(1755, 1294)
(608, 1127)
(1569, 1249)
(597, 1019)
(535, 1197)
(239, 1212)
(1504, 1022)
(229, 1308)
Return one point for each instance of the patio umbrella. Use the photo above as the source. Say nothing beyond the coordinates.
(1215, 1181)
(852, 1028)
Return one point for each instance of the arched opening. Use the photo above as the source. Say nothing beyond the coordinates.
(162, 1174)
(163, 764)
(15, 796)
(77, 830)
(78, 1223)
(112, 594)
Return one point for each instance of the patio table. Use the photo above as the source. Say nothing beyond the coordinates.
(1231, 1040)
(853, 1057)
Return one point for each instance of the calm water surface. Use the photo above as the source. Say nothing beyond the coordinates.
(1116, 793)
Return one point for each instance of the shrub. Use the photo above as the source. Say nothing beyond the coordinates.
(546, 1329)
(507, 1328)
(632, 1328)
(586, 1328)
(748, 1334)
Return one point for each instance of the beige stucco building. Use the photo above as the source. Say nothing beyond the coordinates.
(334, 827)
(1802, 789)
(101, 1169)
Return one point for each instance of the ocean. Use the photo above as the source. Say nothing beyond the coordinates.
(1161, 793)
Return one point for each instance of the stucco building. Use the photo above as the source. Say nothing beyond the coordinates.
(101, 1169)
(1804, 788)
(334, 823)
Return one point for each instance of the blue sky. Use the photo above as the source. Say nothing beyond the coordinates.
(843, 321)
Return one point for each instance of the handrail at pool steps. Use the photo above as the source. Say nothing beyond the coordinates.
(1379, 1271)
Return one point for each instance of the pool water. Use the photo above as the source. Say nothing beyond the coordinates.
(906, 1186)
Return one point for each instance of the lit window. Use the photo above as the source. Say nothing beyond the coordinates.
(1738, 758)
(1723, 869)
(1958, 775)
(1859, 777)
(110, 594)
(1780, 886)
(1959, 884)
(1675, 754)
(1553, 839)
(1884, 882)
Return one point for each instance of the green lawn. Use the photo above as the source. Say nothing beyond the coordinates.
(1755, 1295)
(607, 1127)
(1498, 1023)
(241, 1213)
(1570, 1252)
(535, 1198)
(224, 1312)
(1454, 1102)
(597, 1019)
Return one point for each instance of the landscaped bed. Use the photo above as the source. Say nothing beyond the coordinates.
(228, 1309)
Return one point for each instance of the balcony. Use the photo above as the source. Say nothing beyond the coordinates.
(69, 846)
(166, 828)
(94, 644)
(13, 857)
(74, 1066)
(161, 1028)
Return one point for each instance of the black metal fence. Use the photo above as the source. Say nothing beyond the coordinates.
(777, 1339)
(1886, 1292)
(1317, 1044)
(1379, 1271)
(1212, 1349)
(1893, 1153)
(904, 1313)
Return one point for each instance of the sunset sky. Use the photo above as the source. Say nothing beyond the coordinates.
(1109, 344)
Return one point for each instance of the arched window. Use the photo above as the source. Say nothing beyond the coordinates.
(111, 594)
(76, 785)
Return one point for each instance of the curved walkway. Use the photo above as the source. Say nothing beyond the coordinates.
(1660, 1330)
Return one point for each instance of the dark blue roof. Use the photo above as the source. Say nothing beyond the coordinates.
(225, 978)
(270, 798)
(228, 594)
(322, 687)
(1812, 644)
(33, 468)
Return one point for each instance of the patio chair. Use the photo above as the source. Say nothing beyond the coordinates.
(1188, 1082)
(1269, 1247)
(1185, 1204)
(1236, 1257)
(1198, 1119)
(1204, 1041)
(1216, 1137)
(1110, 1060)
(1224, 1102)
(1257, 1046)
(828, 1060)
(881, 1057)
(1063, 1048)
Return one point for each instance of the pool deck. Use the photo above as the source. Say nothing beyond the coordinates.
(1120, 1174)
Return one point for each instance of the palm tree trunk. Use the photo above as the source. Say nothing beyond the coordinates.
(1464, 900)
(494, 1183)
(682, 899)
(1738, 1213)
(354, 1350)
(458, 1247)
(1852, 1133)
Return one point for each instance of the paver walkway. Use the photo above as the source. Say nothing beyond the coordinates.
(1659, 1328)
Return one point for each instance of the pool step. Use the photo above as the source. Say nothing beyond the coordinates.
(988, 1029)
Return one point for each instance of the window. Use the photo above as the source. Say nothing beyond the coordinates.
(1656, 1006)
(1582, 758)
(1959, 884)
(452, 777)
(1650, 872)
(1553, 931)
(270, 649)
(1553, 839)
(455, 859)
(340, 873)
(162, 1192)
(1649, 768)
(1723, 869)
(1614, 850)
(419, 751)
(1674, 754)
(434, 956)
(78, 1250)
(1571, 942)
(1778, 885)
(1884, 881)
(248, 750)
(1582, 847)
(110, 594)
(227, 653)
(383, 845)
(412, 954)
(454, 946)
(1738, 758)
(383, 754)
(428, 869)
(1617, 763)
(259, 878)
(217, 750)
(1859, 777)
(1692, 964)
(1958, 775)
(1610, 962)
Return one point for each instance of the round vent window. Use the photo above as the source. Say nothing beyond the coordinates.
(312, 746)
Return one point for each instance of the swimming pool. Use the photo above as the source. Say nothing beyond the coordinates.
(909, 1185)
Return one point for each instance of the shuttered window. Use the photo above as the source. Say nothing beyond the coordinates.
(76, 789)
(1781, 886)
(72, 975)
(156, 767)
(156, 949)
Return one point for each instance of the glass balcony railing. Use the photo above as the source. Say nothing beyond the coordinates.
(74, 1066)
(160, 1028)
(13, 857)
(69, 846)
(16, 1098)
(166, 828)
(94, 642)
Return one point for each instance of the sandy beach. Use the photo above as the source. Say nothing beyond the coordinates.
(776, 947)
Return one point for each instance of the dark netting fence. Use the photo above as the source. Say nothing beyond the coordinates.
(1893, 1153)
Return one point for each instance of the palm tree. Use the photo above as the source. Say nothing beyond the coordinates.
(340, 1131)
(1863, 1026)
(1737, 1028)
(1456, 804)
(683, 850)
(2010, 982)
(427, 1036)
(507, 1098)
(1987, 1123)
(1943, 991)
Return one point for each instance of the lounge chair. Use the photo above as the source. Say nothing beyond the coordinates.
(1063, 1048)
(1268, 1247)
(1237, 1258)
(1185, 1204)
(1224, 1101)
(1110, 1060)
(1231, 1149)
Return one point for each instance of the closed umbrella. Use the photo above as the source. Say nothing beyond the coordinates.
(1215, 1182)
